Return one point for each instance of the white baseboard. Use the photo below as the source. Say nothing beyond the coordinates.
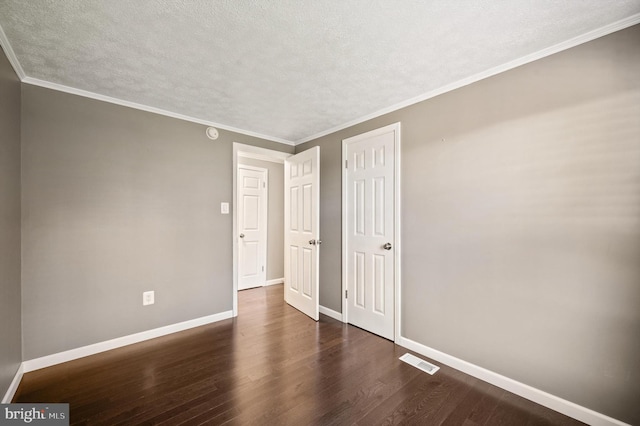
(563, 406)
(274, 282)
(13, 387)
(560, 405)
(331, 313)
(49, 360)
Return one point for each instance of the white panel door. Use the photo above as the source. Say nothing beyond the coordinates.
(370, 230)
(252, 226)
(302, 231)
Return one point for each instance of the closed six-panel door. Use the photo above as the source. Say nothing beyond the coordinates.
(370, 224)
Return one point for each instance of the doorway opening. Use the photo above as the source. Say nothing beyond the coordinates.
(247, 249)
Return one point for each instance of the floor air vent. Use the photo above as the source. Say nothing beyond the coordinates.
(420, 364)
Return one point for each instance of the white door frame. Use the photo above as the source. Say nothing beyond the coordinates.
(246, 151)
(397, 225)
(264, 214)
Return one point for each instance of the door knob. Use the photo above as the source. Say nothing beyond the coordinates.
(241, 235)
(315, 242)
(387, 246)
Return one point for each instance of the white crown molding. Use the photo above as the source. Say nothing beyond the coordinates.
(70, 355)
(13, 60)
(589, 36)
(116, 101)
(13, 387)
(11, 55)
(538, 396)
(576, 41)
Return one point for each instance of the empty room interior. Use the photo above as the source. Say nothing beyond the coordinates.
(247, 212)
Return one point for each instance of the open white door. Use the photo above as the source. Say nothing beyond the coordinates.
(370, 242)
(302, 231)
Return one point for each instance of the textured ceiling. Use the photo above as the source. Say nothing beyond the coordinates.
(286, 69)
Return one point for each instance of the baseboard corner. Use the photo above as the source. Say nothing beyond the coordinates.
(13, 387)
(330, 313)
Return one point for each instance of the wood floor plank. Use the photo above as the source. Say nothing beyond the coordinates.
(464, 411)
(272, 365)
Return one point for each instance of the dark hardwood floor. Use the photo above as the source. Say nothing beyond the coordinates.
(272, 365)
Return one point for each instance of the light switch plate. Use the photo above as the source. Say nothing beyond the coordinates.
(224, 208)
(148, 298)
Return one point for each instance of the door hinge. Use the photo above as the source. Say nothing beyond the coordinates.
(264, 184)
(346, 294)
(263, 269)
(346, 164)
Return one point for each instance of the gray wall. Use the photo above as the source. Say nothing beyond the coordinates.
(275, 225)
(117, 201)
(10, 316)
(521, 230)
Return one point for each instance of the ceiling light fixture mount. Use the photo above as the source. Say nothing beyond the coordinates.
(212, 133)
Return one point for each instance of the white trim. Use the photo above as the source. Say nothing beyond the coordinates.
(13, 387)
(397, 210)
(397, 244)
(274, 281)
(576, 41)
(538, 396)
(242, 150)
(261, 157)
(259, 153)
(134, 105)
(330, 313)
(49, 360)
(11, 55)
(344, 222)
